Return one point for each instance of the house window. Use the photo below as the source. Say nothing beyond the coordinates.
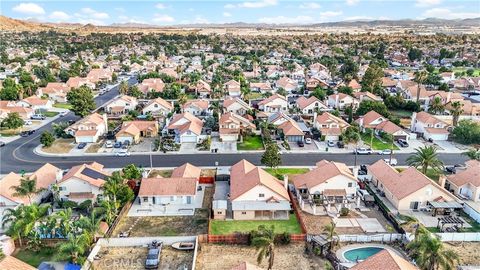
(244, 213)
(350, 184)
(219, 212)
(261, 195)
(172, 198)
(145, 199)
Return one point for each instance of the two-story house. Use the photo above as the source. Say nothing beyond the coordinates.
(231, 125)
(330, 126)
(273, 104)
(89, 129)
(121, 105)
(428, 126)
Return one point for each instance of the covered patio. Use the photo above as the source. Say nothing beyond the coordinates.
(443, 207)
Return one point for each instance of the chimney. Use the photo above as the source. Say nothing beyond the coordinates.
(314, 117)
(58, 175)
(441, 180)
(285, 181)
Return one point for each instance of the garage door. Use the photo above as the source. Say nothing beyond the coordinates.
(124, 139)
(85, 139)
(187, 138)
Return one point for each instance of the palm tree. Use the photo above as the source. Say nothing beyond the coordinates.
(91, 226)
(330, 231)
(430, 254)
(412, 222)
(74, 248)
(264, 242)
(65, 218)
(420, 78)
(27, 188)
(473, 154)
(456, 109)
(110, 210)
(23, 219)
(123, 88)
(425, 157)
(112, 187)
(56, 193)
(182, 99)
(437, 106)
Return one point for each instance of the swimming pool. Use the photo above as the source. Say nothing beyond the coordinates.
(360, 254)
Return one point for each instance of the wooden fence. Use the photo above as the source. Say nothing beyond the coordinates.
(297, 214)
(122, 213)
(244, 238)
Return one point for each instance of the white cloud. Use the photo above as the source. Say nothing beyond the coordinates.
(89, 12)
(310, 5)
(227, 14)
(29, 8)
(352, 2)
(445, 13)
(59, 16)
(200, 20)
(162, 18)
(329, 14)
(258, 4)
(160, 6)
(126, 19)
(427, 3)
(229, 6)
(286, 20)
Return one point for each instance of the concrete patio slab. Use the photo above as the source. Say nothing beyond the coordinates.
(370, 225)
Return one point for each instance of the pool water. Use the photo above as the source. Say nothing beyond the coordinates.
(361, 253)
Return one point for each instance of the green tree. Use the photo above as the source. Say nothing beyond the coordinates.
(319, 93)
(415, 54)
(123, 88)
(10, 90)
(82, 100)
(26, 188)
(22, 220)
(420, 78)
(372, 80)
(91, 226)
(349, 70)
(59, 129)
(351, 134)
(437, 106)
(370, 105)
(12, 121)
(345, 89)
(74, 248)
(264, 241)
(473, 154)
(424, 158)
(134, 91)
(271, 157)
(47, 139)
(430, 253)
(330, 231)
(466, 132)
(131, 172)
(456, 110)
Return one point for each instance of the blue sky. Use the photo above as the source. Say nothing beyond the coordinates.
(253, 11)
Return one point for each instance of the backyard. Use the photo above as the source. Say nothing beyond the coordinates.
(280, 172)
(221, 227)
(251, 142)
(290, 256)
(377, 144)
(34, 258)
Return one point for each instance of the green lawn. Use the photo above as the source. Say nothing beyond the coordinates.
(377, 144)
(476, 71)
(35, 258)
(220, 227)
(51, 114)
(280, 172)
(251, 142)
(63, 106)
(402, 113)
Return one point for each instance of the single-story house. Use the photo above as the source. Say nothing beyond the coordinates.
(132, 131)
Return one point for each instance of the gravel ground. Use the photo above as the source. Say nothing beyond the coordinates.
(468, 252)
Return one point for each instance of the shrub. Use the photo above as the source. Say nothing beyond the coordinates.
(344, 212)
(283, 238)
(68, 204)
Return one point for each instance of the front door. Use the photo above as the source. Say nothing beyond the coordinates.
(153, 200)
(189, 200)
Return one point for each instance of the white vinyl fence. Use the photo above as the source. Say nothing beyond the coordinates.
(383, 237)
(459, 237)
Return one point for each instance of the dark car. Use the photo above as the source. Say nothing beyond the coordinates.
(24, 134)
(117, 145)
(30, 132)
(340, 144)
(402, 143)
(81, 145)
(2, 144)
(300, 144)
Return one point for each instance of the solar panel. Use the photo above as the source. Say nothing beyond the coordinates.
(94, 174)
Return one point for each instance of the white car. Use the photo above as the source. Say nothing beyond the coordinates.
(385, 152)
(27, 122)
(363, 151)
(62, 114)
(123, 153)
(308, 140)
(108, 144)
(392, 162)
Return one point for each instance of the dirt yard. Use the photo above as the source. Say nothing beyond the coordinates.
(60, 146)
(134, 258)
(226, 257)
(207, 197)
(165, 226)
(468, 252)
(162, 173)
(93, 148)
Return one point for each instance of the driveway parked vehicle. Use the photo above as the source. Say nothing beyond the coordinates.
(81, 145)
(385, 152)
(308, 140)
(363, 151)
(117, 145)
(300, 144)
(330, 144)
(38, 117)
(402, 143)
(340, 144)
(108, 144)
(392, 162)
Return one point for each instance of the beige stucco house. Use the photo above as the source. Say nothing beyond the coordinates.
(466, 183)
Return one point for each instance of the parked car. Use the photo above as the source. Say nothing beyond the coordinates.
(308, 140)
(392, 162)
(362, 192)
(108, 144)
(453, 169)
(2, 144)
(62, 114)
(27, 122)
(81, 145)
(300, 144)
(385, 152)
(38, 117)
(117, 145)
(340, 144)
(70, 122)
(363, 151)
(330, 144)
(27, 133)
(123, 153)
(402, 143)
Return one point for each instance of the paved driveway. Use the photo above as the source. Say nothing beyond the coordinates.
(188, 147)
(224, 147)
(146, 145)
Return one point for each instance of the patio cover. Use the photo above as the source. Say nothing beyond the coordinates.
(445, 205)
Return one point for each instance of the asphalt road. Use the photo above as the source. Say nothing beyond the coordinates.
(18, 155)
